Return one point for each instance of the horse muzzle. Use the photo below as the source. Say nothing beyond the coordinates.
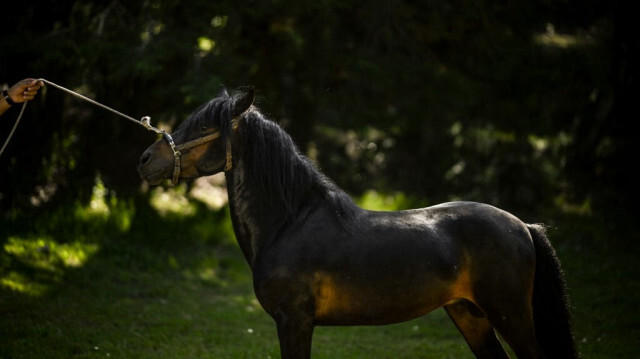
(153, 168)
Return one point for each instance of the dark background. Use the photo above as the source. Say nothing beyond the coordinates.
(522, 104)
(526, 105)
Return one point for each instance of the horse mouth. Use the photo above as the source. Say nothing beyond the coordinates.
(154, 178)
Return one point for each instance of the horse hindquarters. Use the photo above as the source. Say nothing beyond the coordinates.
(501, 272)
(551, 312)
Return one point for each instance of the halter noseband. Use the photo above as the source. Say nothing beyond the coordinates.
(177, 149)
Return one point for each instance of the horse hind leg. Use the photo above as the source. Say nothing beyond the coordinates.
(476, 330)
(514, 321)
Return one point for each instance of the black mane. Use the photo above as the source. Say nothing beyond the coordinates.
(285, 176)
(214, 114)
(289, 179)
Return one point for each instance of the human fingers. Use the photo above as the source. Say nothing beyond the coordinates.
(24, 83)
(29, 92)
(32, 88)
(35, 83)
(30, 83)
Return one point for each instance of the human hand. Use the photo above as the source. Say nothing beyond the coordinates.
(25, 90)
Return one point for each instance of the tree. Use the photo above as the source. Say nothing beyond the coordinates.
(507, 103)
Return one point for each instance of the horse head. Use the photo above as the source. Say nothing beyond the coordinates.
(201, 145)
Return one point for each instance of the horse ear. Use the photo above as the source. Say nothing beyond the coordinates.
(244, 101)
(223, 92)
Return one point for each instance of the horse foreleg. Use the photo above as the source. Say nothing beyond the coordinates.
(476, 330)
(295, 337)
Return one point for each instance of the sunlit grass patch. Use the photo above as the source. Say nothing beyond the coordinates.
(47, 254)
(19, 282)
(172, 201)
(552, 38)
(44, 255)
(104, 206)
(37, 251)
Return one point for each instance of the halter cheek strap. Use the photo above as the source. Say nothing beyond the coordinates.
(176, 157)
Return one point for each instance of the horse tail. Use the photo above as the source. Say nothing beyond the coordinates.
(551, 313)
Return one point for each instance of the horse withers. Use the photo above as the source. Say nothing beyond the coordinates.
(319, 259)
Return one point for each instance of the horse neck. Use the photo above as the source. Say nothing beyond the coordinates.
(272, 185)
(255, 218)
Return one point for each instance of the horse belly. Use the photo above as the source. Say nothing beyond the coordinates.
(340, 300)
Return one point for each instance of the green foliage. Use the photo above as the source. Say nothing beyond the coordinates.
(374, 200)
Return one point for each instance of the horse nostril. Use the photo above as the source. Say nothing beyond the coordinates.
(145, 158)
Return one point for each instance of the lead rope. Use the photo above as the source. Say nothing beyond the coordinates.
(144, 122)
(14, 128)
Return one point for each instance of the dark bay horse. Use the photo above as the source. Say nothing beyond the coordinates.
(319, 259)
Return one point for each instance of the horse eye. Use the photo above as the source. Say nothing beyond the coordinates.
(203, 127)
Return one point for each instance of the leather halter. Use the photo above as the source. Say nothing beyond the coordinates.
(177, 149)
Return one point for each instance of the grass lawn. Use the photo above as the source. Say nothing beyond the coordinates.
(128, 282)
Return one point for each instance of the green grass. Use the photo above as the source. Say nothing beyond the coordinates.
(123, 281)
(603, 275)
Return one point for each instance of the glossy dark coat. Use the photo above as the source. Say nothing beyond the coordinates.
(318, 259)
